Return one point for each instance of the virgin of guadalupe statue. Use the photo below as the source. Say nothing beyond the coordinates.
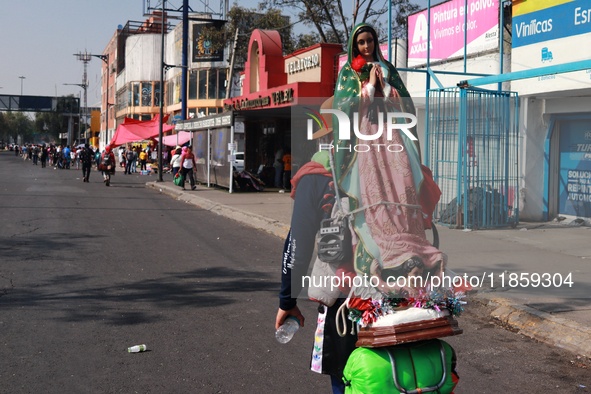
(380, 174)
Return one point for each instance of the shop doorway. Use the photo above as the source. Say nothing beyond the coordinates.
(265, 133)
(569, 177)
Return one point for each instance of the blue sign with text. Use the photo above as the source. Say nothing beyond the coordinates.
(564, 20)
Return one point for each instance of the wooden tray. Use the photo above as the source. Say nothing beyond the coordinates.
(408, 332)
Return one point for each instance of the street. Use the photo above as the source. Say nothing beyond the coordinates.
(87, 271)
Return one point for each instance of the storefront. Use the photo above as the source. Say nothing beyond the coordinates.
(569, 167)
(258, 122)
(271, 85)
(556, 109)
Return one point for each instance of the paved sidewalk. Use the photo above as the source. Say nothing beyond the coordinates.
(549, 255)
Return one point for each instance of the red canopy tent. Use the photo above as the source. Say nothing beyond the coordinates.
(132, 130)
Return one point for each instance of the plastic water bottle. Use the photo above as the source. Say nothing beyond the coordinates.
(287, 329)
(137, 348)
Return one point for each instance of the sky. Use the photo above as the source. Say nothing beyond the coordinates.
(40, 38)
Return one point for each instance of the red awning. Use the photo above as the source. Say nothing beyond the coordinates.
(132, 130)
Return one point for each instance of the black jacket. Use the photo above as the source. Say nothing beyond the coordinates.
(313, 202)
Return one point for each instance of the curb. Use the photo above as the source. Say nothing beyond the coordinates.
(250, 219)
(541, 326)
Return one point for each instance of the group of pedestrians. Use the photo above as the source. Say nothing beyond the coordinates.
(58, 156)
(63, 157)
(182, 161)
(132, 156)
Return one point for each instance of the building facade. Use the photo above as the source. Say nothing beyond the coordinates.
(458, 44)
(555, 108)
(553, 161)
(131, 74)
(260, 118)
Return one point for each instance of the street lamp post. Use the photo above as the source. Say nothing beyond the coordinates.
(163, 68)
(160, 136)
(21, 77)
(105, 59)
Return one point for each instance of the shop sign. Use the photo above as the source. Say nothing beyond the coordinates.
(550, 33)
(303, 64)
(282, 96)
(276, 98)
(205, 123)
(536, 22)
(261, 101)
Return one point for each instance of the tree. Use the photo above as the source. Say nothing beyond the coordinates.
(334, 22)
(306, 40)
(3, 128)
(246, 20)
(400, 11)
(50, 125)
(18, 124)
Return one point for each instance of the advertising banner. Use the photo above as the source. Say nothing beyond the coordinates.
(575, 168)
(202, 46)
(447, 30)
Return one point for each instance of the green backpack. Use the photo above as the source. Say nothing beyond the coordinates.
(418, 367)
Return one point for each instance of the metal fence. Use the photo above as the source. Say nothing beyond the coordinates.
(472, 145)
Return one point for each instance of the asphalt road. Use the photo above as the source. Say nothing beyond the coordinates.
(87, 271)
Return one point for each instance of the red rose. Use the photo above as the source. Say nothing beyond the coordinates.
(360, 304)
(358, 63)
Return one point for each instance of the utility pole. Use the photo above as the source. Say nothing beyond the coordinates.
(185, 62)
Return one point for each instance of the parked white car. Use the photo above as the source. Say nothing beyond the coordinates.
(239, 161)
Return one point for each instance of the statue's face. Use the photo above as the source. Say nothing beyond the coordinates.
(365, 45)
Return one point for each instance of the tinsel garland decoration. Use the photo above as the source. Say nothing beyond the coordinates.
(367, 311)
